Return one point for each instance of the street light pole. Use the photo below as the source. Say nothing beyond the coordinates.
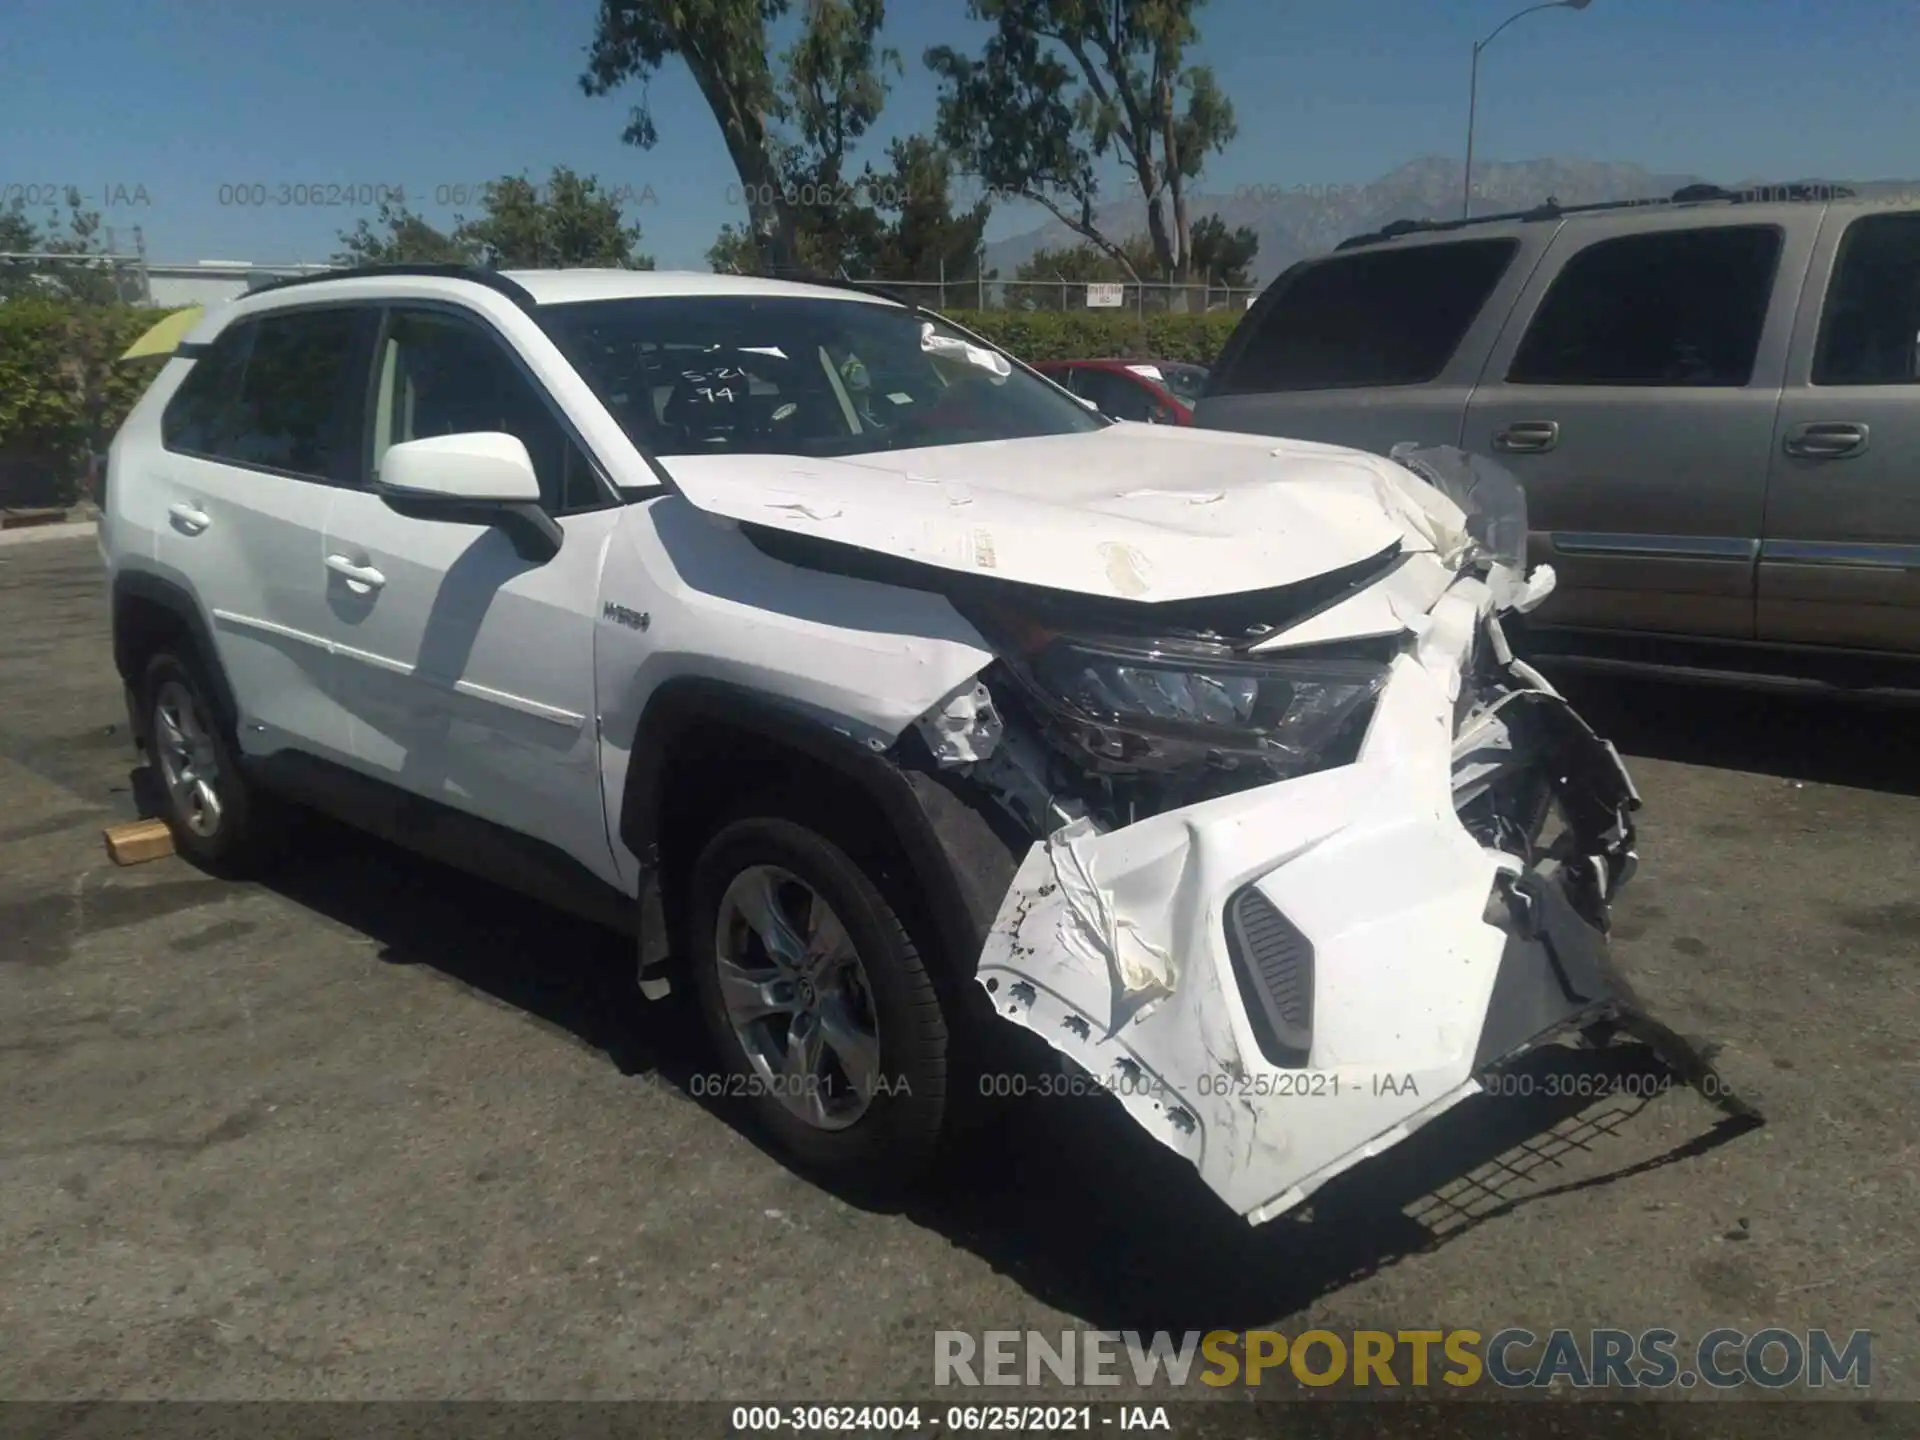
(1473, 89)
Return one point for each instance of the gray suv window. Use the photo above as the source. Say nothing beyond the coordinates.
(1870, 327)
(1380, 317)
(1667, 307)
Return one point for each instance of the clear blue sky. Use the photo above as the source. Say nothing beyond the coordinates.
(183, 99)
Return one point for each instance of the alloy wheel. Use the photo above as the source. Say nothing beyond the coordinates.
(189, 763)
(797, 996)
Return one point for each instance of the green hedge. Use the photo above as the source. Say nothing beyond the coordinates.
(63, 390)
(1103, 334)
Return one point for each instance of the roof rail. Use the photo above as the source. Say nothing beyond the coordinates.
(479, 275)
(801, 275)
(1552, 209)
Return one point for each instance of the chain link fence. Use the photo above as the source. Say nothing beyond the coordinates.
(133, 280)
(106, 279)
(1154, 297)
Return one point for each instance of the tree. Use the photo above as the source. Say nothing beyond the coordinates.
(832, 89)
(1065, 84)
(733, 252)
(400, 238)
(789, 136)
(574, 222)
(905, 230)
(89, 280)
(724, 45)
(1051, 275)
(924, 240)
(1224, 257)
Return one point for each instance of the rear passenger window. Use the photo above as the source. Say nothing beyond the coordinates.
(1386, 317)
(441, 374)
(278, 393)
(1671, 307)
(1870, 326)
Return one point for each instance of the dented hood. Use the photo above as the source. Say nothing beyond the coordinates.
(1137, 512)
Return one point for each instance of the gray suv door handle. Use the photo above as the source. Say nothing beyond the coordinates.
(1826, 440)
(189, 518)
(1528, 437)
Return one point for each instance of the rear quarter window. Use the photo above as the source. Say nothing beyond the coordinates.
(1379, 317)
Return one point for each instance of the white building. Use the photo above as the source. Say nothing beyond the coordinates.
(209, 282)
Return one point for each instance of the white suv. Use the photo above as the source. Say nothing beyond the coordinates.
(874, 683)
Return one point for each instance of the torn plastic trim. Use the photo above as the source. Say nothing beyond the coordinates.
(965, 727)
(1186, 1064)
(1558, 978)
(1111, 946)
(1490, 502)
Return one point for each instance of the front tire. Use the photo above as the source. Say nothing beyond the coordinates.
(218, 821)
(828, 1026)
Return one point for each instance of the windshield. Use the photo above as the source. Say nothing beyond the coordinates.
(1185, 381)
(800, 375)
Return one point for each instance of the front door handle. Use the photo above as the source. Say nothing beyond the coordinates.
(1826, 440)
(359, 578)
(1528, 437)
(189, 518)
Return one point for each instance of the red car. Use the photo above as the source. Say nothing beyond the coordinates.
(1160, 392)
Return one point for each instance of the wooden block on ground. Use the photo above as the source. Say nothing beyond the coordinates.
(21, 519)
(137, 841)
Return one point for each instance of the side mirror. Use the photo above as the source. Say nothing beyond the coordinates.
(484, 477)
(485, 467)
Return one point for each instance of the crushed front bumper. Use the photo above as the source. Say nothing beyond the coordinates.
(1281, 983)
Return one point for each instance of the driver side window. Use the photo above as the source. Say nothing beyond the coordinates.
(441, 374)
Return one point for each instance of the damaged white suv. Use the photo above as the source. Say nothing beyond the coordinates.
(874, 682)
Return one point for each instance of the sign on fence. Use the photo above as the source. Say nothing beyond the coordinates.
(1106, 297)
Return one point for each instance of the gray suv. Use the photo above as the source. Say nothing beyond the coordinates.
(1709, 399)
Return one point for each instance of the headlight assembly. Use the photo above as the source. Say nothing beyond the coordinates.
(1162, 703)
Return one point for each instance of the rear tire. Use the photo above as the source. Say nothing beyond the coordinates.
(219, 821)
(831, 1038)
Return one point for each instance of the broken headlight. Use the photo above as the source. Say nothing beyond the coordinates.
(1162, 704)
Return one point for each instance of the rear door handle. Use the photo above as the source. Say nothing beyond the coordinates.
(363, 576)
(1528, 437)
(1826, 440)
(189, 518)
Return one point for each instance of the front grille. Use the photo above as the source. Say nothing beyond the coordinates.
(1273, 963)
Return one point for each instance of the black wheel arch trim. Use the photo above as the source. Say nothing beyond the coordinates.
(138, 586)
(954, 857)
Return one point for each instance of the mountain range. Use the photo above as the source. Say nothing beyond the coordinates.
(1295, 221)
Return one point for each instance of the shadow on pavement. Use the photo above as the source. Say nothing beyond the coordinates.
(1071, 1199)
(1817, 739)
(1065, 1195)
